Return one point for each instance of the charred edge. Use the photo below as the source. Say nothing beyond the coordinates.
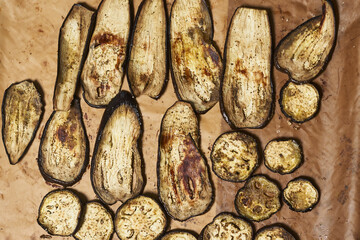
(180, 231)
(281, 225)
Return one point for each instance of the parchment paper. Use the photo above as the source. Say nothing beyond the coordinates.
(28, 50)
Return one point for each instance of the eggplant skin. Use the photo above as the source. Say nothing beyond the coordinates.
(273, 232)
(304, 52)
(22, 111)
(178, 235)
(64, 147)
(116, 167)
(148, 67)
(246, 91)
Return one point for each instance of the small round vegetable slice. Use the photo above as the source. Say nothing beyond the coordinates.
(178, 235)
(274, 232)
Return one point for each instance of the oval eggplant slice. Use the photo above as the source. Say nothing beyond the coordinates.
(116, 167)
(97, 223)
(140, 218)
(234, 156)
(299, 102)
(72, 39)
(301, 195)
(103, 71)
(22, 111)
(227, 226)
(178, 235)
(305, 51)
(283, 155)
(183, 178)
(258, 199)
(148, 63)
(59, 212)
(64, 147)
(195, 63)
(274, 232)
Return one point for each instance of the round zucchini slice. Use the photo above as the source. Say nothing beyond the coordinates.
(301, 195)
(274, 232)
(178, 235)
(258, 199)
(59, 212)
(234, 156)
(283, 155)
(227, 226)
(140, 218)
(299, 102)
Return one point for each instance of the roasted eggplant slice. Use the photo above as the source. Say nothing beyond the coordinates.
(116, 167)
(234, 156)
(73, 35)
(178, 235)
(305, 51)
(274, 232)
(299, 102)
(97, 223)
(227, 226)
(301, 195)
(283, 155)
(59, 212)
(258, 199)
(183, 177)
(140, 218)
(195, 63)
(148, 64)
(103, 71)
(64, 147)
(246, 96)
(22, 110)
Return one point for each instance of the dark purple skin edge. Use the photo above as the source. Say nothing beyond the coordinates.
(123, 98)
(289, 231)
(221, 102)
(257, 150)
(177, 231)
(78, 218)
(76, 103)
(3, 121)
(158, 167)
(328, 57)
(166, 48)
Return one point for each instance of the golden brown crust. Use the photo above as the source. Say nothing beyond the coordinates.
(274, 233)
(178, 235)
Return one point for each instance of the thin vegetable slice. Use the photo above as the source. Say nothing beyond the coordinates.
(178, 235)
(274, 232)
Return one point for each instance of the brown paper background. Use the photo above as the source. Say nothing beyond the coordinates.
(28, 50)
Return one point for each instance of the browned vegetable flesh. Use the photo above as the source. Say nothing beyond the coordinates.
(283, 156)
(140, 218)
(275, 232)
(305, 51)
(183, 178)
(63, 153)
(258, 199)
(226, 226)
(59, 212)
(22, 109)
(117, 163)
(147, 69)
(196, 64)
(299, 102)
(301, 195)
(246, 88)
(178, 235)
(97, 223)
(234, 156)
(103, 73)
(73, 35)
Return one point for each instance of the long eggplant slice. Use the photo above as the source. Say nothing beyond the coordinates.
(274, 232)
(59, 212)
(183, 177)
(64, 147)
(246, 96)
(234, 156)
(258, 199)
(148, 64)
(195, 63)
(283, 155)
(97, 223)
(140, 218)
(226, 226)
(301, 195)
(103, 71)
(116, 167)
(22, 110)
(306, 50)
(73, 35)
(299, 102)
(178, 235)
